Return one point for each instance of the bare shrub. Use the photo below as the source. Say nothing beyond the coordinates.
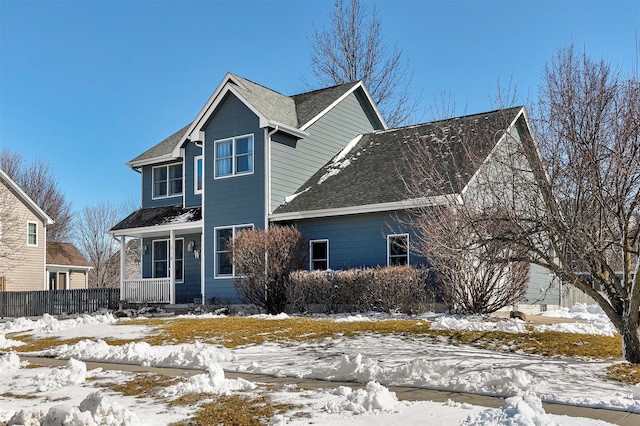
(263, 261)
(389, 289)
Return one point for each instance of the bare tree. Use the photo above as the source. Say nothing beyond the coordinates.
(263, 261)
(102, 251)
(353, 49)
(39, 183)
(571, 202)
(469, 279)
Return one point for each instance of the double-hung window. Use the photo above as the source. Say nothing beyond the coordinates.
(234, 156)
(224, 267)
(398, 250)
(167, 180)
(319, 254)
(32, 233)
(197, 174)
(161, 259)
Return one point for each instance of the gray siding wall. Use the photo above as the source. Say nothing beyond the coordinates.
(233, 200)
(191, 199)
(189, 289)
(147, 189)
(293, 163)
(357, 240)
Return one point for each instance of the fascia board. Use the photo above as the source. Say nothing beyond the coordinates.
(153, 160)
(157, 229)
(53, 265)
(288, 129)
(357, 86)
(25, 198)
(439, 200)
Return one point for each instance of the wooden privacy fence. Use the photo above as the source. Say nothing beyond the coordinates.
(57, 302)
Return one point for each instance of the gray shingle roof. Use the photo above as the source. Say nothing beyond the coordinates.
(293, 111)
(165, 147)
(310, 104)
(371, 171)
(155, 216)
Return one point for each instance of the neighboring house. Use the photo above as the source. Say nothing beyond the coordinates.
(323, 161)
(67, 268)
(23, 235)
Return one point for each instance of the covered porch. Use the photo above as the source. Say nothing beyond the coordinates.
(170, 248)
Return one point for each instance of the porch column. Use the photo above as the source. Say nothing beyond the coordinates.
(122, 266)
(172, 266)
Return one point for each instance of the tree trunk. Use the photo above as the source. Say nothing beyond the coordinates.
(631, 343)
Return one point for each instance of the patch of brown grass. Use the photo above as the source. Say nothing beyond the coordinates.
(236, 410)
(17, 396)
(624, 372)
(142, 385)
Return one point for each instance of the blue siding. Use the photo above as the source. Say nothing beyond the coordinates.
(232, 200)
(147, 189)
(357, 240)
(191, 199)
(189, 289)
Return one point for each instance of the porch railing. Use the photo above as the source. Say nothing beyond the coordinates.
(147, 290)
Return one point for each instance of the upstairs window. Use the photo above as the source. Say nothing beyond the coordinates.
(234, 156)
(32, 233)
(197, 174)
(167, 181)
(398, 250)
(319, 255)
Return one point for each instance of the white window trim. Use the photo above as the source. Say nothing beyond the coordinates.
(28, 243)
(215, 248)
(153, 196)
(233, 156)
(153, 258)
(389, 237)
(195, 174)
(311, 259)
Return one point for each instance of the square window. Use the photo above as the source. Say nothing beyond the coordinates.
(234, 156)
(167, 181)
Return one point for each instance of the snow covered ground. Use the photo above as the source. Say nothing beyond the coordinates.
(71, 395)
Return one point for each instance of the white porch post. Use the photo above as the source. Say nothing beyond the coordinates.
(122, 266)
(172, 265)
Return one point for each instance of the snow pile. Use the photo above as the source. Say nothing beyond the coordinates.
(339, 162)
(9, 363)
(423, 372)
(51, 324)
(580, 311)
(73, 374)
(197, 355)
(94, 410)
(9, 343)
(374, 397)
(600, 326)
(596, 320)
(524, 410)
(477, 324)
(213, 382)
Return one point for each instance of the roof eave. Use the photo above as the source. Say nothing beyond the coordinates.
(154, 160)
(439, 200)
(26, 199)
(156, 229)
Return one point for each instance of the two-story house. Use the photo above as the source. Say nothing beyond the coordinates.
(23, 239)
(323, 161)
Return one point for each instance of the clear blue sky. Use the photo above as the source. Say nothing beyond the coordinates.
(88, 85)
